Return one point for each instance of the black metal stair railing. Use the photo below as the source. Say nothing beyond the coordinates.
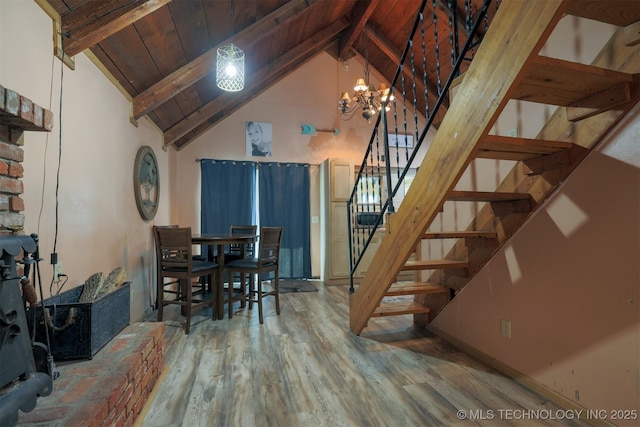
(387, 168)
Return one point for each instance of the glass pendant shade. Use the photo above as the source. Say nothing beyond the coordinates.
(230, 68)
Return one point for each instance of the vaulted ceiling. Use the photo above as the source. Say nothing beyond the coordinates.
(162, 52)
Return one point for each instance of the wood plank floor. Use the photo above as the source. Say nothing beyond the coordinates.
(304, 368)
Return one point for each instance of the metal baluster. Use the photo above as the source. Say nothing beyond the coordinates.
(395, 126)
(486, 16)
(424, 66)
(383, 121)
(437, 47)
(353, 253)
(378, 171)
(359, 236)
(467, 16)
(415, 103)
(452, 36)
(379, 155)
(367, 182)
(404, 116)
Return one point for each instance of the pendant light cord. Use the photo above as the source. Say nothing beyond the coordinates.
(232, 22)
(366, 56)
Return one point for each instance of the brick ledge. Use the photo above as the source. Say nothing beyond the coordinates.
(110, 389)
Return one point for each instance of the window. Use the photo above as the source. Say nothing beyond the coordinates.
(368, 192)
(371, 195)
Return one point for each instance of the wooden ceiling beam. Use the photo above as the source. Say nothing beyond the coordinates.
(94, 21)
(229, 102)
(195, 70)
(360, 17)
(394, 55)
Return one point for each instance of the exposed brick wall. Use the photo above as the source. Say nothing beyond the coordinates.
(112, 388)
(11, 187)
(17, 115)
(109, 390)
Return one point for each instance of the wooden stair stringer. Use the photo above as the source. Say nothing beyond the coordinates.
(585, 135)
(457, 140)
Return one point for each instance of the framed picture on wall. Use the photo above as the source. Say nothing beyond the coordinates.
(259, 142)
(400, 140)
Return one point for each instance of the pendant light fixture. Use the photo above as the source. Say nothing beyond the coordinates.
(230, 65)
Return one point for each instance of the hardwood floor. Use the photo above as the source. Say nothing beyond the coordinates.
(305, 368)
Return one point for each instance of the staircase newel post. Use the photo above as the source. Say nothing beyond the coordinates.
(385, 139)
(351, 288)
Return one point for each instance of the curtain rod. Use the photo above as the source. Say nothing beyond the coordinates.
(198, 160)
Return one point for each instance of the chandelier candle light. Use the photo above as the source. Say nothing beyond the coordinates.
(366, 97)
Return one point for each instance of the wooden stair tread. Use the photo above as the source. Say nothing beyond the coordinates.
(434, 264)
(485, 196)
(415, 288)
(512, 148)
(400, 308)
(462, 234)
(564, 83)
(620, 12)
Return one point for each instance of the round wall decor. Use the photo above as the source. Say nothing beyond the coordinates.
(146, 182)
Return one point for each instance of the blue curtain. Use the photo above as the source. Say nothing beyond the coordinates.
(227, 194)
(284, 201)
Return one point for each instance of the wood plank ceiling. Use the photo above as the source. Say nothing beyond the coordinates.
(162, 52)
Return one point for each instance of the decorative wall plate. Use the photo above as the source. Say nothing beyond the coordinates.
(146, 182)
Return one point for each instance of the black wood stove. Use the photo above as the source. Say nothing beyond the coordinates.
(20, 382)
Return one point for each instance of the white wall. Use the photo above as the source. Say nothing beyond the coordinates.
(98, 226)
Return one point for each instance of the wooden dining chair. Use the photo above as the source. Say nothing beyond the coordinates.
(176, 264)
(195, 257)
(238, 251)
(265, 262)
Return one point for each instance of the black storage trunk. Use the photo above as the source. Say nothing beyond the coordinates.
(81, 329)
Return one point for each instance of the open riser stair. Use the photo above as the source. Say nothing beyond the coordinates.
(591, 99)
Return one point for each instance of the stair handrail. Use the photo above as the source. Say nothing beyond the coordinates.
(357, 249)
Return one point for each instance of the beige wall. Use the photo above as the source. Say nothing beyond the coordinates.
(569, 280)
(99, 227)
(308, 95)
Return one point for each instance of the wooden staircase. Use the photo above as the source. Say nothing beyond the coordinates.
(591, 100)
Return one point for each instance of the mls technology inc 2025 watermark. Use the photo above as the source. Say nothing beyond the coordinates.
(548, 414)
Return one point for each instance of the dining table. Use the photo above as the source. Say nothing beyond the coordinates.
(219, 240)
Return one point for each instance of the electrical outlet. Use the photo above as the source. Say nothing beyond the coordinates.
(505, 328)
(57, 271)
(513, 133)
